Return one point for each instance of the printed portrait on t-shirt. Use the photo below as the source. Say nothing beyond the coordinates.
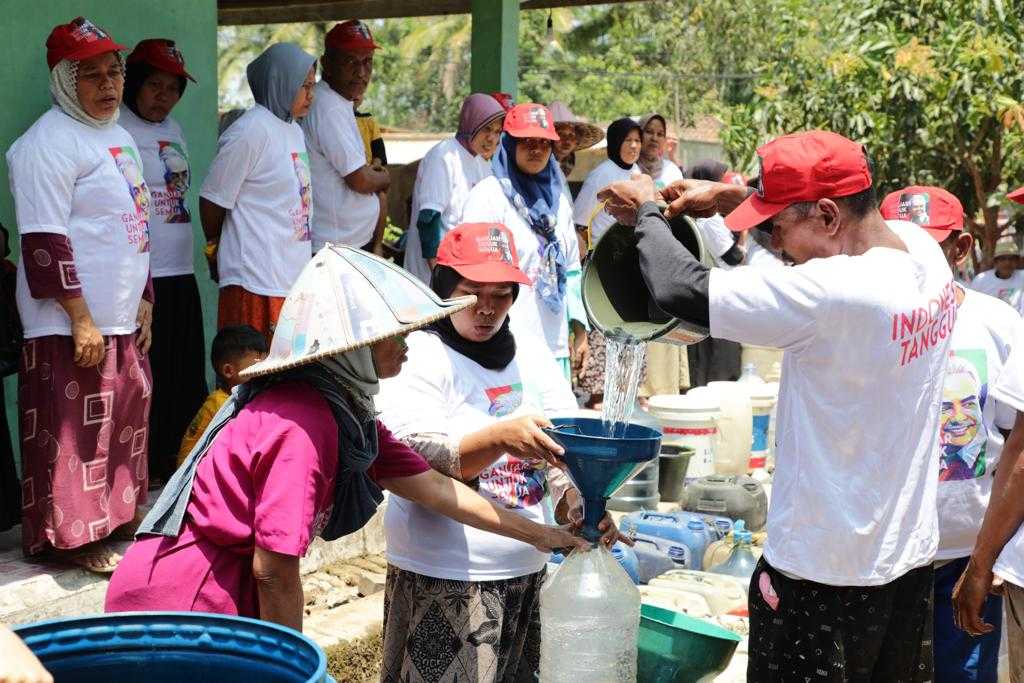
(300, 216)
(136, 223)
(504, 400)
(514, 483)
(170, 203)
(963, 433)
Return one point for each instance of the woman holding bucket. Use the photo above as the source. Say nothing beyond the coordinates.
(297, 452)
(525, 195)
(471, 401)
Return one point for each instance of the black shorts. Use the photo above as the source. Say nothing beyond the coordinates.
(807, 631)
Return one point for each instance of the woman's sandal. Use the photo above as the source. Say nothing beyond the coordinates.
(98, 559)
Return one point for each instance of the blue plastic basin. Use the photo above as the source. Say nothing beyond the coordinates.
(170, 647)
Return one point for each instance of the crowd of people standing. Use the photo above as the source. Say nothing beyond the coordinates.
(872, 538)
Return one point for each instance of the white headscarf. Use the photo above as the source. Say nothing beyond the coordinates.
(64, 91)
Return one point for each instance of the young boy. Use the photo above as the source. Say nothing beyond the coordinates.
(233, 350)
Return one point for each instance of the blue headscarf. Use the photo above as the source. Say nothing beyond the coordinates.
(536, 198)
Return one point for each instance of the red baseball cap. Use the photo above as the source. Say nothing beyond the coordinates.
(934, 209)
(482, 252)
(162, 54)
(505, 100)
(530, 120)
(802, 167)
(77, 40)
(1017, 195)
(350, 35)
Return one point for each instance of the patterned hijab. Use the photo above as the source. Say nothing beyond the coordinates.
(64, 91)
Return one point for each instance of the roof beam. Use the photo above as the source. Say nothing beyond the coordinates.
(238, 12)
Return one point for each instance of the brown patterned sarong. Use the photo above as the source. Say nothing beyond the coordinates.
(446, 631)
(83, 441)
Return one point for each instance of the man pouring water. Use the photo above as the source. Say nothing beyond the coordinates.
(844, 590)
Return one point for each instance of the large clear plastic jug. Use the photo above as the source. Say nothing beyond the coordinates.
(741, 561)
(589, 617)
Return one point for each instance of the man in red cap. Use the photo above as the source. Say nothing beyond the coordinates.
(346, 205)
(845, 588)
(974, 425)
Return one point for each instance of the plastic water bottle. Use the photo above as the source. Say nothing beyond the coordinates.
(589, 619)
(741, 560)
(750, 374)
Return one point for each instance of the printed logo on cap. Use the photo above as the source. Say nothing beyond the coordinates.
(174, 53)
(914, 207)
(760, 177)
(495, 242)
(87, 31)
(359, 28)
(537, 117)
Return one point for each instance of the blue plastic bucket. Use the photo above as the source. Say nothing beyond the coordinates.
(169, 647)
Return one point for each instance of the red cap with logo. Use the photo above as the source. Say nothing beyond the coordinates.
(802, 167)
(482, 252)
(1017, 195)
(162, 54)
(504, 99)
(934, 209)
(350, 35)
(530, 120)
(77, 40)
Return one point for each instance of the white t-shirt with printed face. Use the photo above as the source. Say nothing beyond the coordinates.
(1009, 389)
(970, 441)
(441, 390)
(605, 173)
(443, 181)
(87, 184)
(529, 314)
(669, 174)
(1009, 290)
(866, 340)
(165, 165)
(341, 215)
(261, 176)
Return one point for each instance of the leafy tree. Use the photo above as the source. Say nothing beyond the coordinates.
(933, 88)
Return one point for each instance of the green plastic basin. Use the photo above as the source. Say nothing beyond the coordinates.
(676, 648)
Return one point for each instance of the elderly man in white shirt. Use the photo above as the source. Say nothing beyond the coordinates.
(346, 206)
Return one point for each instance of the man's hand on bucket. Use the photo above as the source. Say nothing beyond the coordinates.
(623, 199)
(702, 198)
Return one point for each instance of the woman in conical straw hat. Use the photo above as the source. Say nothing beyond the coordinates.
(298, 452)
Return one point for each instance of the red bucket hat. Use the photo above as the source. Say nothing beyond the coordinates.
(1017, 195)
(934, 209)
(482, 252)
(77, 40)
(162, 54)
(802, 167)
(350, 35)
(530, 120)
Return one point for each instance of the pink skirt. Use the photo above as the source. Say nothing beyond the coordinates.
(83, 441)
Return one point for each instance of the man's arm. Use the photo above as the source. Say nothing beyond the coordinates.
(678, 282)
(369, 179)
(1002, 519)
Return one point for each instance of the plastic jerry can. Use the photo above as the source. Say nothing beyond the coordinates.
(733, 496)
(674, 525)
(651, 560)
(722, 593)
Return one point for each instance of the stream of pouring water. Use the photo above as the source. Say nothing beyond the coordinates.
(623, 371)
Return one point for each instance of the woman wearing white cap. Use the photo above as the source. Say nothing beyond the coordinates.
(298, 452)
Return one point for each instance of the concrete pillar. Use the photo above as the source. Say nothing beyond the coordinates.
(495, 46)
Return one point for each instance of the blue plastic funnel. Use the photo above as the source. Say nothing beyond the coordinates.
(598, 464)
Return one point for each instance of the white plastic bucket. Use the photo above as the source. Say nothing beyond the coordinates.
(762, 400)
(690, 421)
(735, 427)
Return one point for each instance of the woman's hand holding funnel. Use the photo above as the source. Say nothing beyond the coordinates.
(523, 438)
(609, 531)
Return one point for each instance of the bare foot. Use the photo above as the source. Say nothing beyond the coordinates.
(95, 557)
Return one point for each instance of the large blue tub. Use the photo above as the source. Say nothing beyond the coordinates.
(166, 647)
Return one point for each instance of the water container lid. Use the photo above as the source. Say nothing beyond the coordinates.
(739, 526)
(743, 536)
(695, 524)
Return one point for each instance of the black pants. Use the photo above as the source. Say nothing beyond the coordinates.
(810, 631)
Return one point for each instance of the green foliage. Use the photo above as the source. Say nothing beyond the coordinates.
(933, 88)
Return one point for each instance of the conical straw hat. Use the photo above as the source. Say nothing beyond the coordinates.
(346, 298)
(587, 134)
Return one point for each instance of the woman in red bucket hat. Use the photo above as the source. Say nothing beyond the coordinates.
(154, 83)
(526, 195)
(472, 400)
(83, 210)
